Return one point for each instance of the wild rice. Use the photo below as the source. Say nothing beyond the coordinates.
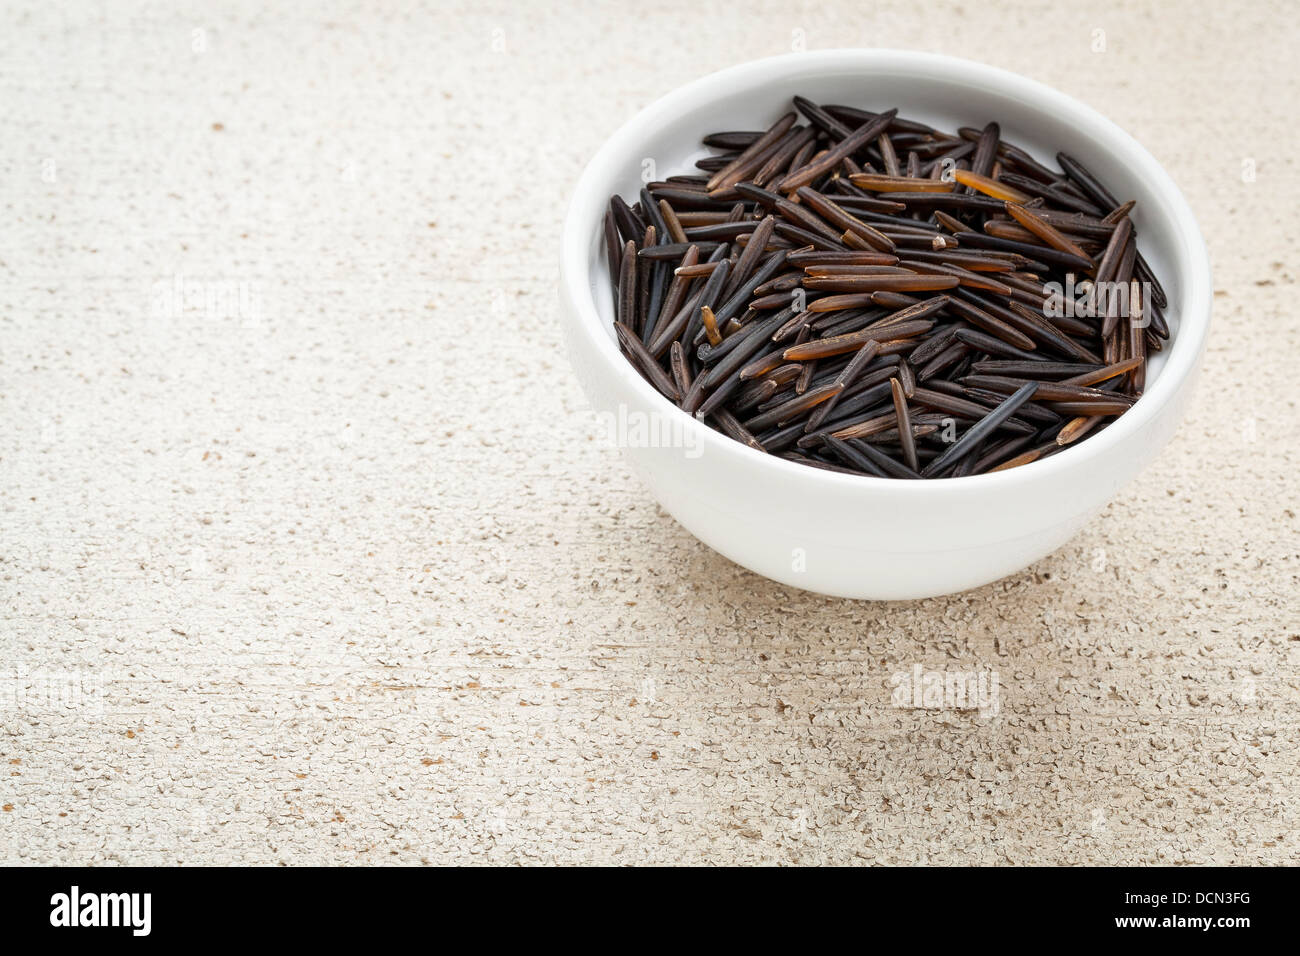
(860, 293)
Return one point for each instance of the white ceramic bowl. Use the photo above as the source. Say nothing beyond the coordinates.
(855, 536)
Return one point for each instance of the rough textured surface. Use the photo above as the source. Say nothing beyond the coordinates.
(295, 577)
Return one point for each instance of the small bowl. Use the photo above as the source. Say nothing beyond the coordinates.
(847, 535)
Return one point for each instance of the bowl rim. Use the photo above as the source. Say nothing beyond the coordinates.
(1181, 356)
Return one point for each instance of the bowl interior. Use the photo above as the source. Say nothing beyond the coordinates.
(944, 92)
